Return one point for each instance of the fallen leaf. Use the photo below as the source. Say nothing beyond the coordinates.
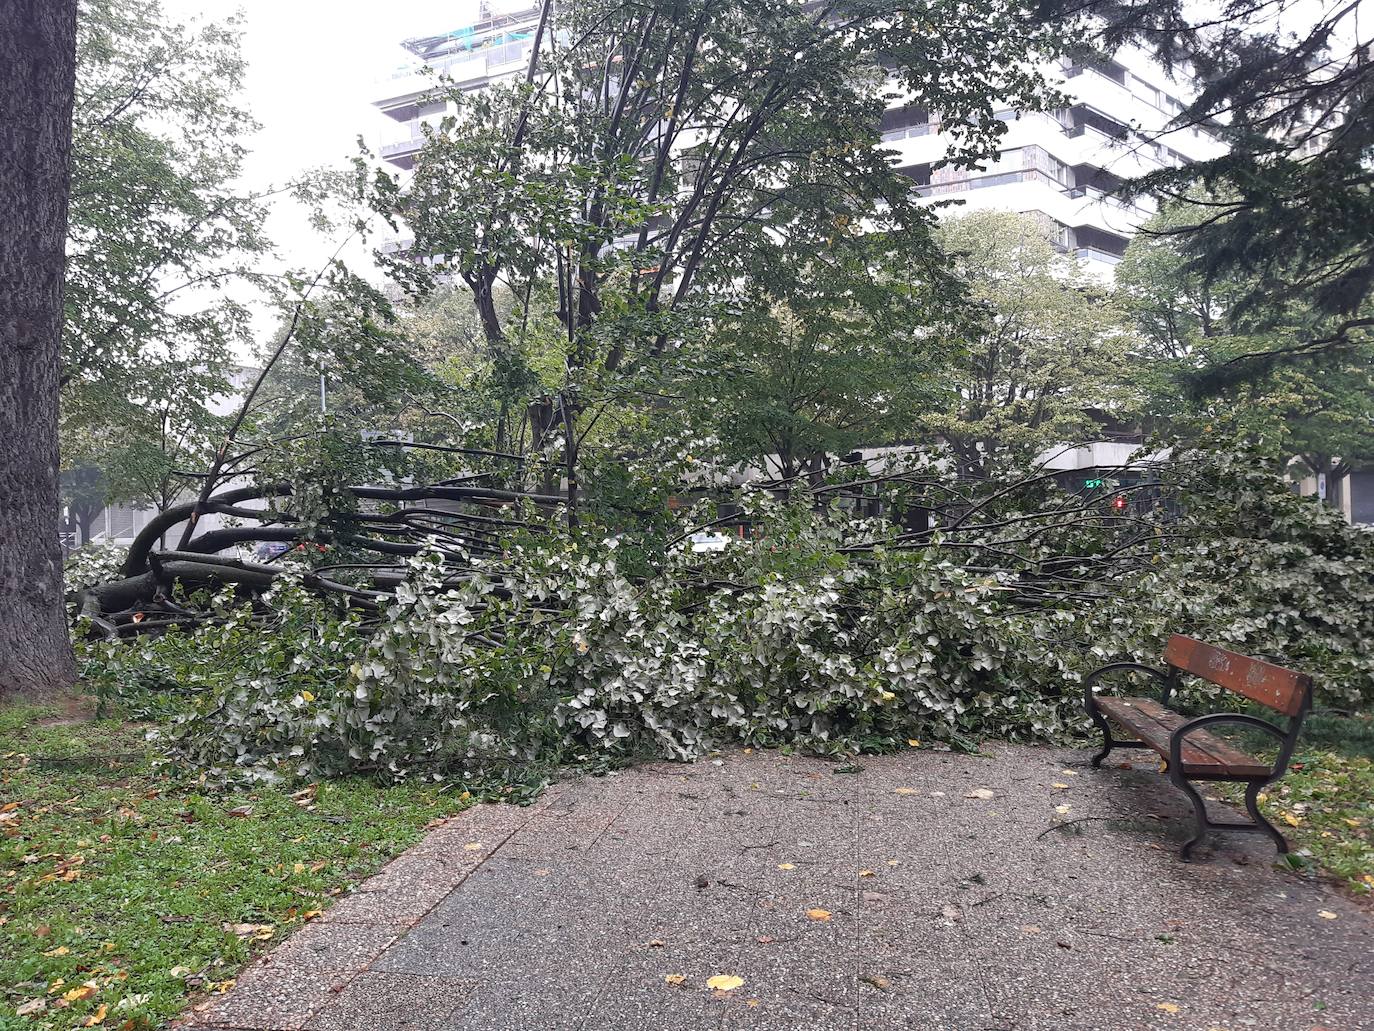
(42, 931)
(656, 944)
(1062, 809)
(753, 1004)
(865, 873)
(1291, 820)
(32, 1006)
(982, 793)
(881, 983)
(914, 742)
(724, 982)
(259, 931)
(1167, 1007)
(179, 971)
(904, 791)
(308, 696)
(674, 978)
(472, 846)
(98, 1017)
(787, 866)
(542, 872)
(61, 950)
(818, 914)
(1326, 914)
(85, 991)
(241, 811)
(765, 939)
(949, 912)
(310, 914)
(1060, 786)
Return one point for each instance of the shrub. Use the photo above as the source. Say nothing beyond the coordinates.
(795, 638)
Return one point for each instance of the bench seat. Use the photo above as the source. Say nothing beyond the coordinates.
(1205, 756)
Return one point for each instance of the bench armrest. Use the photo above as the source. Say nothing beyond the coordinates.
(1090, 702)
(1286, 737)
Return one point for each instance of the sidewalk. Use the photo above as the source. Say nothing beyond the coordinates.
(895, 897)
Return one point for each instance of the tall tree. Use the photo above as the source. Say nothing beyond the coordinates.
(37, 72)
(1196, 330)
(1289, 88)
(160, 229)
(825, 349)
(1043, 363)
(650, 149)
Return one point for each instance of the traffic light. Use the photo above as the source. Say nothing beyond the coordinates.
(1119, 503)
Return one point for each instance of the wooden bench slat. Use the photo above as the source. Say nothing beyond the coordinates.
(1232, 759)
(1260, 681)
(1202, 753)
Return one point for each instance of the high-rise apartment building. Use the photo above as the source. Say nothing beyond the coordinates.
(496, 47)
(1061, 166)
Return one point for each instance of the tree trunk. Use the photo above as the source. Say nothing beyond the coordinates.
(37, 72)
(85, 520)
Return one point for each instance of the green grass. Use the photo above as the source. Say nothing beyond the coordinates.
(1325, 806)
(1325, 803)
(120, 873)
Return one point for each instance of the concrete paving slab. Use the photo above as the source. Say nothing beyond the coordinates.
(1056, 903)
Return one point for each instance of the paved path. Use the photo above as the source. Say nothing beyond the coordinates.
(930, 907)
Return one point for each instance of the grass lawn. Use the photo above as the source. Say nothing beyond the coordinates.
(1325, 804)
(126, 886)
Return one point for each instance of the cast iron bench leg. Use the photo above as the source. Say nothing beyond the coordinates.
(1200, 821)
(1107, 743)
(1252, 807)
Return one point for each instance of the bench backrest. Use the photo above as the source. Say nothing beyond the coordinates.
(1282, 689)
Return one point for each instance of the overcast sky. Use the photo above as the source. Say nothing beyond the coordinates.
(314, 68)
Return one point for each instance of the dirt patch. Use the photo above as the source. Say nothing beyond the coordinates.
(73, 708)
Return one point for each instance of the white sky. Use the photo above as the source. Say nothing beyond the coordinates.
(314, 68)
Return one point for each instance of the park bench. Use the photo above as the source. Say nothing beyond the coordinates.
(1190, 752)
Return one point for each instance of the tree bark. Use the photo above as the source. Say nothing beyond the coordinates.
(37, 74)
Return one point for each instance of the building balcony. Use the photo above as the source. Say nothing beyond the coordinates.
(1096, 254)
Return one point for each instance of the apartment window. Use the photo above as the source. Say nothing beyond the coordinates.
(1095, 178)
(1107, 69)
(900, 122)
(919, 174)
(1085, 117)
(1100, 240)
